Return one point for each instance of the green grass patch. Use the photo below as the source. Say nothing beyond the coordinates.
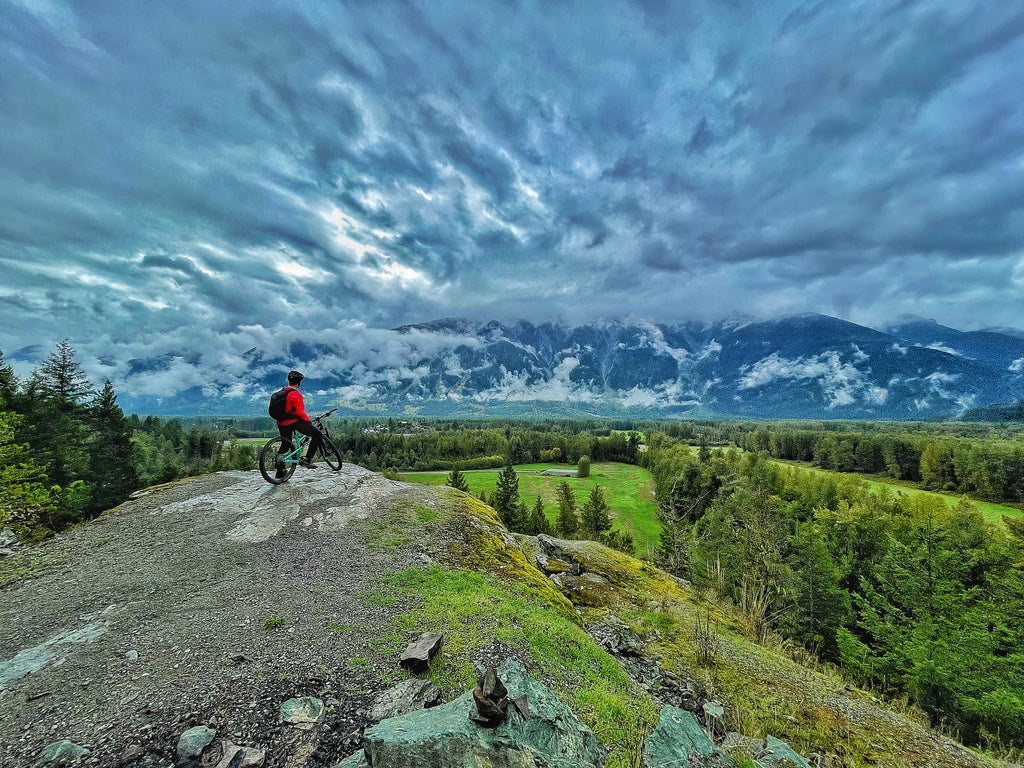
(628, 490)
(403, 523)
(474, 610)
(379, 596)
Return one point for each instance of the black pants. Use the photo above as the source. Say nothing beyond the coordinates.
(305, 428)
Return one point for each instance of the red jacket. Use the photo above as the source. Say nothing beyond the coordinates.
(293, 405)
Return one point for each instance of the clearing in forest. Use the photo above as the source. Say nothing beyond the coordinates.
(628, 489)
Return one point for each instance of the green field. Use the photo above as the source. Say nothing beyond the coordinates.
(990, 511)
(628, 489)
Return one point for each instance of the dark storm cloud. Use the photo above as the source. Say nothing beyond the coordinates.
(290, 167)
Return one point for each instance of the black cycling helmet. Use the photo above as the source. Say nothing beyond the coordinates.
(294, 377)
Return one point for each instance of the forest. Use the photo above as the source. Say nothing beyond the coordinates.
(68, 452)
(907, 595)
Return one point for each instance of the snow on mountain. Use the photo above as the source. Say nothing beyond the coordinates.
(803, 366)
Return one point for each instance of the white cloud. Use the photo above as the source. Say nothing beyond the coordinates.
(940, 347)
(840, 383)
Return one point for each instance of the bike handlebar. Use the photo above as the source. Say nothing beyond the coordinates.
(325, 415)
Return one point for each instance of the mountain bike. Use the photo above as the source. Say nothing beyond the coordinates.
(280, 457)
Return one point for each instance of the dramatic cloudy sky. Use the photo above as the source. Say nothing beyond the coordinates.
(219, 175)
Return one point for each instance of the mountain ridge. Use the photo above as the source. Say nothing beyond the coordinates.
(797, 366)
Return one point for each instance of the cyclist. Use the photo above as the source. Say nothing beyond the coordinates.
(297, 421)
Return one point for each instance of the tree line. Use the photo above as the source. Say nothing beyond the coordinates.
(906, 594)
(68, 452)
(478, 446)
(989, 468)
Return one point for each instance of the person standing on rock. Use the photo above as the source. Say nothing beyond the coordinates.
(295, 419)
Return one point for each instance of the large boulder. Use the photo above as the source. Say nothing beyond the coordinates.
(548, 735)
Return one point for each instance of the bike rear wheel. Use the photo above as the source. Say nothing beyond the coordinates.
(269, 464)
(331, 454)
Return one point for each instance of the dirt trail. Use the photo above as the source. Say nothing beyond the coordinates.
(154, 617)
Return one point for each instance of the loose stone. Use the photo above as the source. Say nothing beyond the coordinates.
(417, 656)
(194, 741)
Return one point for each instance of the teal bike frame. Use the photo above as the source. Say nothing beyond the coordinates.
(295, 455)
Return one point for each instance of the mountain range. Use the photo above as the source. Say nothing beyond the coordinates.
(803, 366)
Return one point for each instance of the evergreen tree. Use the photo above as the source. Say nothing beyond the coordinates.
(62, 377)
(25, 504)
(457, 480)
(8, 383)
(538, 520)
(567, 522)
(819, 603)
(56, 424)
(704, 453)
(111, 470)
(596, 516)
(506, 497)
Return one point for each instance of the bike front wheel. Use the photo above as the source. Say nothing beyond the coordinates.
(331, 454)
(273, 470)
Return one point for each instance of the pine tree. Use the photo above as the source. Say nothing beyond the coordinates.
(56, 423)
(62, 377)
(819, 604)
(704, 454)
(506, 497)
(538, 520)
(457, 480)
(567, 523)
(596, 516)
(25, 503)
(8, 383)
(111, 469)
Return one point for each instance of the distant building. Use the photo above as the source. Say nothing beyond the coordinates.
(561, 472)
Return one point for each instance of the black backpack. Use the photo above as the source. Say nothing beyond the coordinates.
(278, 401)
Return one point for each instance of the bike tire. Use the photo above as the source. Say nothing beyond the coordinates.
(268, 462)
(330, 454)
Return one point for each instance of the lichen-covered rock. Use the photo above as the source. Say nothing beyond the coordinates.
(444, 736)
(357, 760)
(193, 741)
(679, 741)
(303, 712)
(778, 754)
(62, 752)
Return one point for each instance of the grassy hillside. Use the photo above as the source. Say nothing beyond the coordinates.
(492, 599)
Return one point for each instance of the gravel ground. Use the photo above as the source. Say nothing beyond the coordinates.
(153, 619)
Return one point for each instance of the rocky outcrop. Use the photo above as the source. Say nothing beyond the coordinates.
(548, 735)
